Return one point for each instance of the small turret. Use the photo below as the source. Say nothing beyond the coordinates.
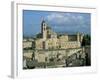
(78, 37)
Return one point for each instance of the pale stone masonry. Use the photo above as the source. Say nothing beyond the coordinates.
(51, 40)
(48, 44)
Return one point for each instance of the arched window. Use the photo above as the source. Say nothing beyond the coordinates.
(43, 24)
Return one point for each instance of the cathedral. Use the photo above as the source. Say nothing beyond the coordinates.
(49, 39)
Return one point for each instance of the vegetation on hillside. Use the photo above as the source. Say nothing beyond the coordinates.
(86, 40)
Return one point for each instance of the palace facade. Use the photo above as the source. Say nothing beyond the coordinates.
(48, 39)
(49, 47)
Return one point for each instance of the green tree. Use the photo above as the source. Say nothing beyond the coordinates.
(86, 40)
(39, 35)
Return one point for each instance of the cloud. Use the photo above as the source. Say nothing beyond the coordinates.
(67, 19)
(69, 22)
(56, 17)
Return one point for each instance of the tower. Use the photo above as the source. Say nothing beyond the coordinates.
(44, 29)
(78, 37)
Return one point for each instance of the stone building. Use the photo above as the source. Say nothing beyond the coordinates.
(51, 40)
(49, 46)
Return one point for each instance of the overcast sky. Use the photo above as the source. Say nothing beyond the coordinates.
(58, 21)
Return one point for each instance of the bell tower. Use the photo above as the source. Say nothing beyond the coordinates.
(44, 29)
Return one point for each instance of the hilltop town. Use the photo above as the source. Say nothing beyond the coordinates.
(52, 50)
